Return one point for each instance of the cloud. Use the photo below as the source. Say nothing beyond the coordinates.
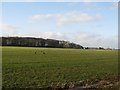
(76, 17)
(114, 5)
(5, 26)
(95, 40)
(46, 35)
(66, 18)
(86, 38)
(41, 17)
(7, 29)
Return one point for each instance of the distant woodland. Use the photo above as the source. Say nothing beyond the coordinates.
(37, 42)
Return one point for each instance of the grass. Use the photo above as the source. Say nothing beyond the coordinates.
(29, 67)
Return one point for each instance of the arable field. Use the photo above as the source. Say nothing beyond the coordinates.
(57, 67)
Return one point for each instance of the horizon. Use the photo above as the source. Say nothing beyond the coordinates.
(58, 40)
(90, 24)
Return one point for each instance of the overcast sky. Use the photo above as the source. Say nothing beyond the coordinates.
(92, 24)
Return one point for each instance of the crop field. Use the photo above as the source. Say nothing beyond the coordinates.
(57, 67)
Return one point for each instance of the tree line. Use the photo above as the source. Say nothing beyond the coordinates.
(37, 42)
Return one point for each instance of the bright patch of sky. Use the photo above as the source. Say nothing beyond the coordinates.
(86, 23)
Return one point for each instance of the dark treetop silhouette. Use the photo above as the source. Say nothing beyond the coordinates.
(37, 42)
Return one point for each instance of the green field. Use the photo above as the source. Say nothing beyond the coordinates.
(44, 67)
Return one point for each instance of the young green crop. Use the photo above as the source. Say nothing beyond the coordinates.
(43, 67)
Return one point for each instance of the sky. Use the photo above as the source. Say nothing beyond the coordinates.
(90, 24)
